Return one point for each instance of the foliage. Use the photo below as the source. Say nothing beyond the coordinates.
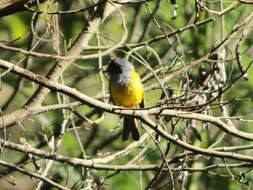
(199, 70)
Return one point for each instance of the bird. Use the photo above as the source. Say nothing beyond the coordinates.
(126, 90)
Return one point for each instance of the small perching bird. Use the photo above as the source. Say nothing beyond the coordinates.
(126, 90)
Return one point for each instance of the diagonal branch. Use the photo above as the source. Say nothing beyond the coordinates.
(32, 174)
(141, 113)
(8, 7)
(78, 46)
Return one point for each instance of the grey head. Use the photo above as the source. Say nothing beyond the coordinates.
(120, 71)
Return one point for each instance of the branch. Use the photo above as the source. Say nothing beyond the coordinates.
(208, 152)
(32, 174)
(140, 113)
(8, 7)
(94, 56)
(246, 2)
(80, 43)
(94, 164)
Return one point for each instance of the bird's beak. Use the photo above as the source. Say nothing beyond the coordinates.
(104, 69)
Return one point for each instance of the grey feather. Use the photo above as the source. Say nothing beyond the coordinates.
(120, 71)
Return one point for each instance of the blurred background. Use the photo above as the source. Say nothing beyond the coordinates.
(85, 132)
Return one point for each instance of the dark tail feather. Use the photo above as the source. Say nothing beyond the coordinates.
(142, 104)
(130, 126)
(126, 131)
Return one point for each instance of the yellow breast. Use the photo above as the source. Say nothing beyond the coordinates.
(130, 95)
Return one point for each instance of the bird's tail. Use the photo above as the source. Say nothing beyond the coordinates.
(130, 126)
